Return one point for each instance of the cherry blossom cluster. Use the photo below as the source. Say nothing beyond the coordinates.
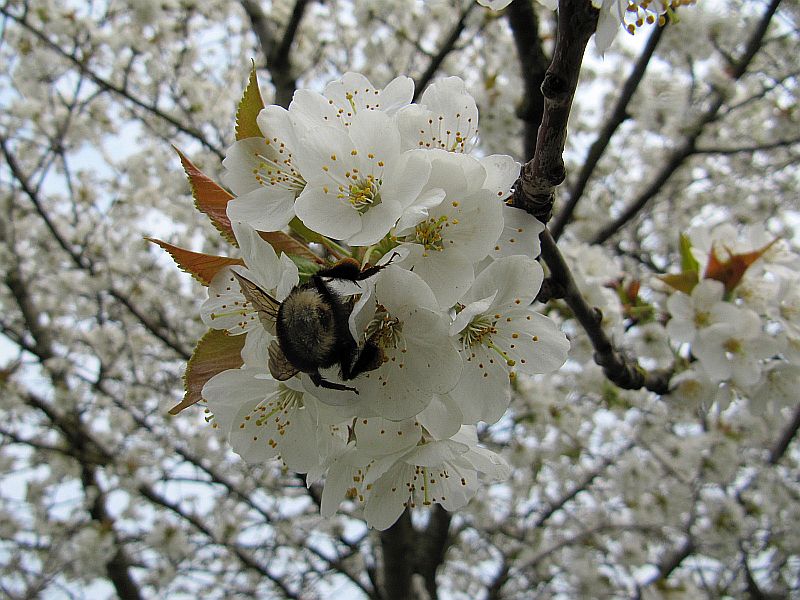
(736, 331)
(727, 325)
(391, 183)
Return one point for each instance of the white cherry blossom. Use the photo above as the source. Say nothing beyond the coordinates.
(263, 418)
(733, 349)
(359, 181)
(262, 173)
(445, 472)
(500, 335)
(442, 243)
(446, 118)
(226, 307)
(348, 96)
(400, 314)
(704, 307)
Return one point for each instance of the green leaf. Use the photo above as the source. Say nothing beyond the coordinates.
(249, 107)
(298, 227)
(688, 261)
(304, 232)
(215, 352)
(305, 268)
(683, 282)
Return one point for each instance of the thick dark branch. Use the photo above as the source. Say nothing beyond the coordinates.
(397, 544)
(623, 372)
(279, 63)
(550, 290)
(618, 115)
(434, 545)
(118, 567)
(535, 190)
(787, 435)
(261, 26)
(533, 66)
(277, 53)
(672, 561)
(446, 48)
(688, 146)
(280, 57)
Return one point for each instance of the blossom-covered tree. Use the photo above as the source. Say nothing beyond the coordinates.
(578, 324)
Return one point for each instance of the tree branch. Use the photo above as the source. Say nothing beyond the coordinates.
(617, 368)
(105, 84)
(279, 63)
(618, 115)
(118, 566)
(533, 66)
(277, 52)
(688, 147)
(444, 49)
(747, 149)
(79, 259)
(672, 561)
(579, 487)
(535, 190)
(786, 437)
(398, 561)
(435, 541)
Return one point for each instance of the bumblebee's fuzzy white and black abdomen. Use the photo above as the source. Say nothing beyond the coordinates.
(309, 327)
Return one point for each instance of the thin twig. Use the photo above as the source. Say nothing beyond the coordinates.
(444, 50)
(785, 439)
(625, 373)
(105, 84)
(688, 146)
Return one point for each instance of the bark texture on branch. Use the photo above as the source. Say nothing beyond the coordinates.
(624, 372)
(535, 189)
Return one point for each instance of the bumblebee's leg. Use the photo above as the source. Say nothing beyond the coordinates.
(320, 381)
(369, 359)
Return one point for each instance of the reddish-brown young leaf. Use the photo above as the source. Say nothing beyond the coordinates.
(209, 198)
(282, 242)
(215, 352)
(731, 271)
(201, 266)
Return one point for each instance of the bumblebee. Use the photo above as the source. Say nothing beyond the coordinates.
(311, 327)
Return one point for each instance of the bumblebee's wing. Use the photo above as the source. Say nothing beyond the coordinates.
(266, 306)
(279, 366)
